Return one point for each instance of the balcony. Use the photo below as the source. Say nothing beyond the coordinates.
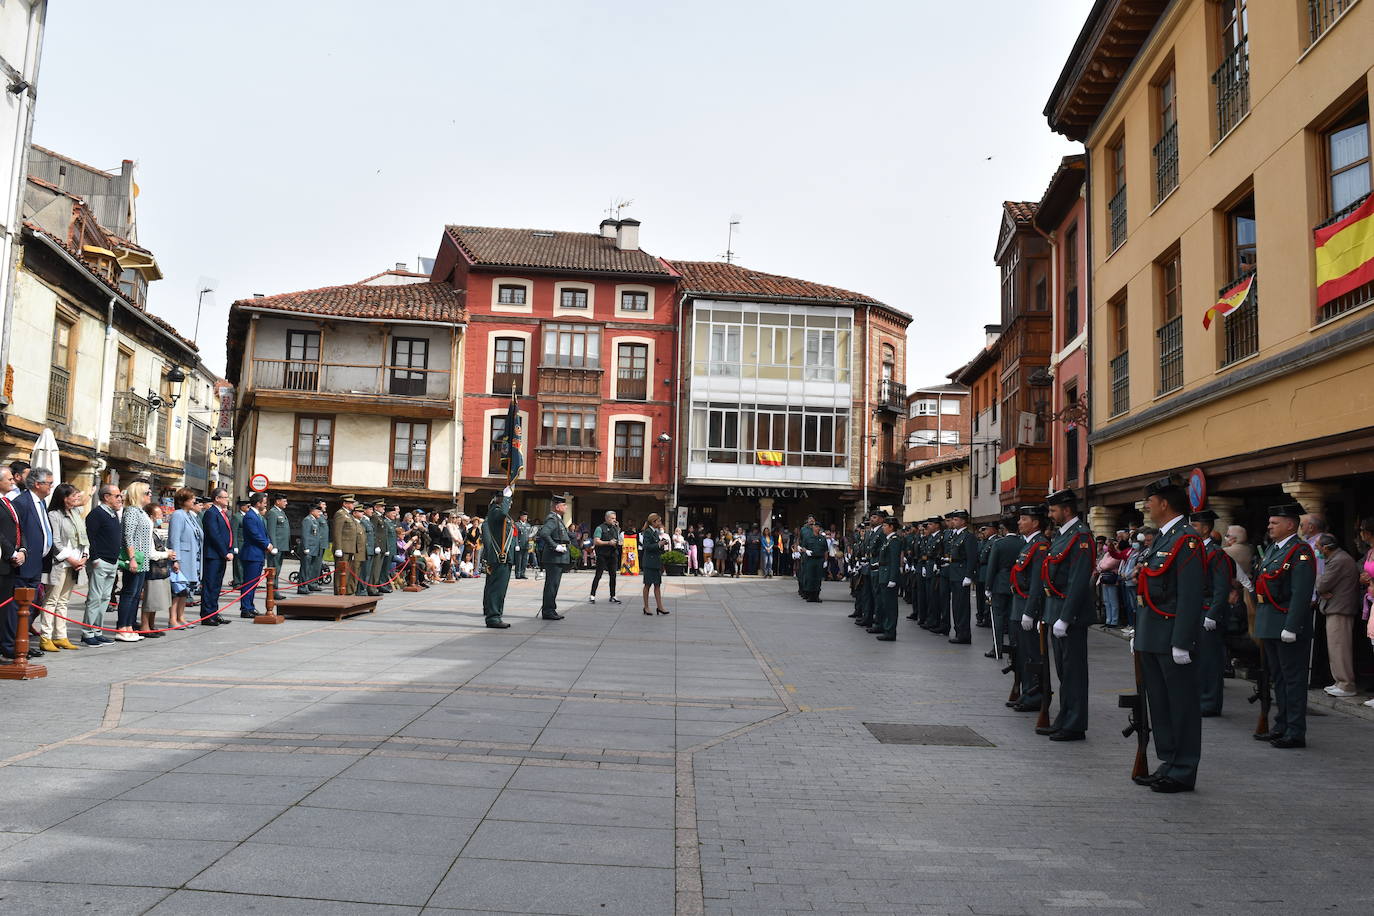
(506, 377)
(554, 463)
(1121, 384)
(1116, 210)
(310, 473)
(1170, 341)
(409, 478)
(632, 385)
(891, 396)
(628, 467)
(1322, 14)
(1241, 327)
(1362, 295)
(1232, 82)
(129, 421)
(364, 379)
(890, 475)
(59, 390)
(1166, 163)
(566, 380)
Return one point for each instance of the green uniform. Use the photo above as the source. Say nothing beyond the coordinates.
(651, 556)
(939, 560)
(961, 552)
(1216, 607)
(350, 544)
(1283, 599)
(279, 533)
(863, 595)
(889, 569)
(314, 542)
(1002, 553)
(1028, 600)
(1169, 616)
(553, 534)
(813, 561)
(237, 524)
(984, 556)
(1067, 577)
(499, 539)
(522, 547)
(367, 572)
(386, 537)
(877, 585)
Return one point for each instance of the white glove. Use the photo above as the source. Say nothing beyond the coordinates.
(307, 553)
(1132, 643)
(967, 581)
(1026, 622)
(1060, 628)
(271, 550)
(808, 553)
(1209, 624)
(507, 492)
(560, 548)
(925, 574)
(892, 585)
(376, 550)
(1182, 656)
(1288, 636)
(415, 554)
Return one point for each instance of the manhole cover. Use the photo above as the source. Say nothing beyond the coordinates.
(939, 735)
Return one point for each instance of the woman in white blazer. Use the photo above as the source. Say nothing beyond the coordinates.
(186, 537)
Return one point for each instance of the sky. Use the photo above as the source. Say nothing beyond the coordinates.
(306, 143)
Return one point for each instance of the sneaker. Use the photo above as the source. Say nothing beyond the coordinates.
(92, 642)
(105, 638)
(591, 599)
(1335, 691)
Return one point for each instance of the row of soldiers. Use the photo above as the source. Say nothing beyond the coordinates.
(1039, 582)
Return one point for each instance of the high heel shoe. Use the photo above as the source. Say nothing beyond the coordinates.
(646, 613)
(661, 611)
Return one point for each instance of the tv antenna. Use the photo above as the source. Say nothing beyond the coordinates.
(613, 211)
(730, 241)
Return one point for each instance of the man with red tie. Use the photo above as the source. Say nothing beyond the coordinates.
(219, 551)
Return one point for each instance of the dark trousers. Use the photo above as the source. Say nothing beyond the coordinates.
(939, 621)
(521, 557)
(960, 601)
(494, 592)
(1001, 619)
(1071, 665)
(130, 596)
(1175, 715)
(863, 600)
(9, 616)
(607, 563)
(1028, 659)
(310, 569)
(212, 580)
(983, 602)
(1210, 661)
(1287, 663)
(887, 609)
(553, 577)
(252, 569)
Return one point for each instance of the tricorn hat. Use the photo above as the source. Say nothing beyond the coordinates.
(1061, 498)
(958, 513)
(560, 498)
(1156, 487)
(1287, 510)
(1036, 510)
(1206, 515)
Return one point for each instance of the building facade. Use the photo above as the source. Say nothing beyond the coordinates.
(982, 375)
(938, 423)
(582, 326)
(792, 401)
(1222, 136)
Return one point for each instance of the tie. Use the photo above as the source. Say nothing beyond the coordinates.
(47, 526)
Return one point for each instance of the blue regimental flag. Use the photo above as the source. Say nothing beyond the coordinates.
(512, 439)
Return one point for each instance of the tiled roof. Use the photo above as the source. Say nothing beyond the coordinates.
(34, 179)
(167, 326)
(719, 277)
(410, 302)
(392, 273)
(550, 249)
(1023, 211)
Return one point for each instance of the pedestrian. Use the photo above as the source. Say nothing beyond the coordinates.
(708, 549)
(1067, 578)
(767, 546)
(1339, 600)
(69, 556)
(555, 557)
(499, 539)
(257, 548)
(651, 560)
(1107, 578)
(1130, 567)
(679, 541)
(1367, 580)
(138, 545)
(157, 585)
(608, 540)
(1283, 623)
(693, 551)
(31, 506)
(279, 533)
(753, 552)
(221, 549)
(186, 537)
(314, 542)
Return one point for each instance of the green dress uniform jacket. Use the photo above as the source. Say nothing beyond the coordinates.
(1066, 573)
(314, 541)
(499, 537)
(1028, 600)
(278, 531)
(351, 541)
(887, 570)
(1216, 607)
(552, 533)
(1283, 601)
(1002, 554)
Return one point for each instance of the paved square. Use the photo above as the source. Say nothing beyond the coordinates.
(713, 761)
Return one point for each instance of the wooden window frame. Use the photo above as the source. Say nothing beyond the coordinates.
(391, 451)
(503, 288)
(574, 291)
(564, 410)
(629, 293)
(296, 441)
(559, 328)
(497, 340)
(1354, 114)
(123, 351)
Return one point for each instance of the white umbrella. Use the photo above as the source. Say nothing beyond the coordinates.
(45, 455)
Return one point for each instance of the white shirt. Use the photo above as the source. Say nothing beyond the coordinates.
(1280, 544)
(1069, 524)
(1164, 528)
(42, 509)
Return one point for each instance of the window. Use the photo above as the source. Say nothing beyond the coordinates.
(303, 346)
(124, 370)
(1166, 147)
(634, 302)
(1241, 239)
(632, 371)
(1116, 190)
(1231, 81)
(575, 346)
(62, 342)
(1042, 299)
(820, 355)
(510, 294)
(497, 430)
(1240, 329)
(508, 365)
(889, 365)
(314, 449)
(925, 407)
(1120, 363)
(734, 433)
(925, 438)
(409, 355)
(949, 489)
(1345, 148)
(573, 298)
(773, 343)
(409, 454)
(1070, 438)
(628, 462)
(1322, 14)
(928, 492)
(59, 376)
(725, 350)
(1071, 283)
(1169, 334)
(568, 426)
(302, 369)
(133, 285)
(949, 407)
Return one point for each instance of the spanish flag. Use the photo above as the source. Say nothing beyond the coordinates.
(1230, 300)
(772, 459)
(1345, 253)
(1006, 470)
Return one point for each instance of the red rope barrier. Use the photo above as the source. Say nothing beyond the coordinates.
(392, 581)
(81, 623)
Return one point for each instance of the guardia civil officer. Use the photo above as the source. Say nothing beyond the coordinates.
(279, 533)
(342, 518)
(499, 539)
(865, 561)
(1169, 589)
(554, 555)
(1283, 622)
(858, 573)
(1218, 585)
(987, 534)
(523, 532)
(889, 567)
(961, 565)
(1002, 553)
(314, 541)
(813, 549)
(1028, 600)
(1069, 609)
(877, 585)
(940, 624)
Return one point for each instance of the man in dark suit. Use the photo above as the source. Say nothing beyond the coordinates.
(31, 508)
(554, 555)
(220, 550)
(11, 558)
(257, 547)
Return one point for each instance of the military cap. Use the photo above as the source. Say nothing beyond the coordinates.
(347, 499)
(203, 500)
(560, 498)
(1206, 515)
(1038, 510)
(1163, 484)
(934, 520)
(277, 496)
(379, 504)
(243, 502)
(1061, 498)
(357, 507)
(987, 525)
(1286, 510)
(878, 512)
(958, 513)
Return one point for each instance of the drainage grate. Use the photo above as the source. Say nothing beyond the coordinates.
(936, 735)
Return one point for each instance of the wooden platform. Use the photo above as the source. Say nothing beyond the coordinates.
(328, 607)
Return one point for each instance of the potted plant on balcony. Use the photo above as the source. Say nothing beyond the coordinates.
(674, 563)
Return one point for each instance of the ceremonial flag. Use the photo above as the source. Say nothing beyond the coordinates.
(1230, 300)
(772, 459)
(1006, 470)
(511, 439)
(1345, 253)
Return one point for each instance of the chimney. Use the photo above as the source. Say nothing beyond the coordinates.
(608, 227)
(990, 334)
(627, 235)
(402, 265)
(259, 295)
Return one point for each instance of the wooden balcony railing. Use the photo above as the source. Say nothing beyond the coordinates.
(409, 478)
(632, 385)
(628, 467)
(554, 462)
(59, 390)
(506, 378)
(311, 473)
(567, 380)
(350, 378)
(129, 420)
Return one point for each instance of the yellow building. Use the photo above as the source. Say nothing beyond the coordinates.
(936, 486)
(1220, 135)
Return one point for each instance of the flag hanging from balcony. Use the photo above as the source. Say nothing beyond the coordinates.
(1230, 300)
(772, 459)
(512, 459)
(1006, 471)
(1345, 253)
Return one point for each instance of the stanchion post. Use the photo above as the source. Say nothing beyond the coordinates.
(270, 577)
(338, 574)
(21, 669)
(412, 587)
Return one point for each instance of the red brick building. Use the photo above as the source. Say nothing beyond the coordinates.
(582, 325)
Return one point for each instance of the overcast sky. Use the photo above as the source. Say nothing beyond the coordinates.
(307, 143)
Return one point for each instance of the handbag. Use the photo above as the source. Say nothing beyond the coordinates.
(139, 556)
(1109, 577)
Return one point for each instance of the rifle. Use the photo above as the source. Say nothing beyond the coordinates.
(1139, 723)
(1046, 691)
(1262, 696)
(1015, 670)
